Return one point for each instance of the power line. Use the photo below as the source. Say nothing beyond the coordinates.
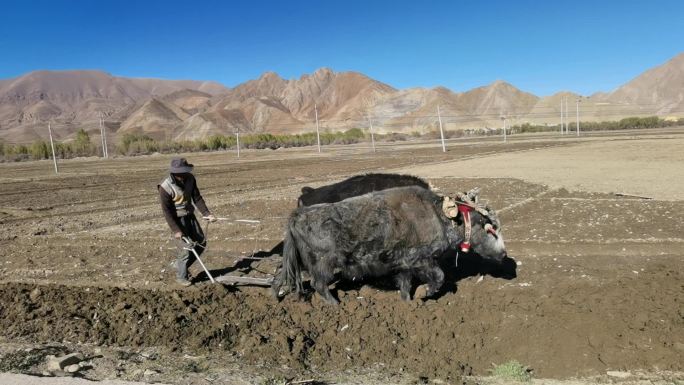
(419, 121)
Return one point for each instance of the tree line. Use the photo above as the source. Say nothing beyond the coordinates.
(622, 124)
(140, 144)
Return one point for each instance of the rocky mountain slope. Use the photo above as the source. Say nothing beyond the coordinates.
(186, 109)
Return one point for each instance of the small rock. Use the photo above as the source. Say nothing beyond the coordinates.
(59, 363)
(52, 363)
(618, 374)
(72, 368)
(121, 306)
(149, 355)
(35, 294)
(150, 372)
(45, 373)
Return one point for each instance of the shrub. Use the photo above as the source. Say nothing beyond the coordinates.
(513, 371)
(39, 150)
(134, 144)
(622, 124)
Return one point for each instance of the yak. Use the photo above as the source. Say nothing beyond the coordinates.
(350, 187)
(399, 232)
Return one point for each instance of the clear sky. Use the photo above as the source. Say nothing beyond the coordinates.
(538, 46)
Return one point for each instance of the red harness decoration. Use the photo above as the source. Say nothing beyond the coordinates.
(465, 210)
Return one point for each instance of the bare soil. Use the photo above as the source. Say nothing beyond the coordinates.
(598, 282)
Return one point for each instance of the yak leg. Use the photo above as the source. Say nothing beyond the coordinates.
(321, 287)
(403, 280)
(433, 276)
(320, 279)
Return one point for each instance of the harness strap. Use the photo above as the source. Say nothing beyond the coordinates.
(465, 211)
(452, 207)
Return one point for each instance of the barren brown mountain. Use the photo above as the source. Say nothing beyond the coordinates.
(156, 118)
(190, 100)
(660, 89)
(75, 99)
(186, 109)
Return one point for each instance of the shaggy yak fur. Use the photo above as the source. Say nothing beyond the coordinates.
(351, 187)
(400, 232)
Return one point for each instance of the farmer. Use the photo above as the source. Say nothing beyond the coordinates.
(177, 193)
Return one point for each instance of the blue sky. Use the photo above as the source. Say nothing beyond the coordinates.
(538, 46)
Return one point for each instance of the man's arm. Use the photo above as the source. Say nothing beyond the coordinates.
(169, 211)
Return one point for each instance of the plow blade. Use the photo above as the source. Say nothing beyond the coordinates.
(232, 280)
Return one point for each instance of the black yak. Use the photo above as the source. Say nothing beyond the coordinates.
(350, 187)
(400, 232)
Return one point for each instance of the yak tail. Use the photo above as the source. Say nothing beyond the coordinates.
(290, 277)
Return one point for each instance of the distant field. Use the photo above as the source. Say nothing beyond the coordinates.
(652, 167)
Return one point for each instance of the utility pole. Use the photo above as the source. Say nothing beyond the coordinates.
(52, 145)
(561, 115)
(103, 129)
(318, 133)
(370, 123)
(503, 119)
(237, 137)
(102, 138)
(577, 102)
(567, 120)
(441, 130)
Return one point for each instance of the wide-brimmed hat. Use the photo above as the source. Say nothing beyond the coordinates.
(180, 166)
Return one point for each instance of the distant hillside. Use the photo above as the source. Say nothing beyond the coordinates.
(660, 89)
(78, 98)
(187, 109)
(279, 105)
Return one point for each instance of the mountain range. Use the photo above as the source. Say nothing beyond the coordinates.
(187, 109)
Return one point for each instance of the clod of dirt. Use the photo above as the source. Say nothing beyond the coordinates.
(61, 363)
(121, 306)
(35, 294)
(150, 372)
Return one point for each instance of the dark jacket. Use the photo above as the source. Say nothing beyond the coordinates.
(177, 200)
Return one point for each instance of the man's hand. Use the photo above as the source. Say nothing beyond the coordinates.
(178, 235)
(210, 218)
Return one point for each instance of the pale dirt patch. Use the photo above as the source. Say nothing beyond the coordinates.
(646, 167)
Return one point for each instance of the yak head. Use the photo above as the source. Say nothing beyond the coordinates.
(486, 237)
